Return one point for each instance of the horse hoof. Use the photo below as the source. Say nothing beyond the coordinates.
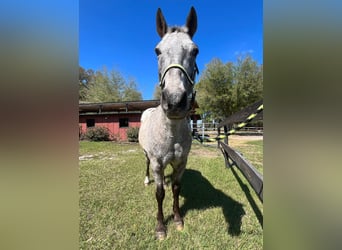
(146, 181)
(179, 226)
(161, 235)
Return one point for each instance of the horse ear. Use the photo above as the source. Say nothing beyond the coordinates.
(161, 23)
(191, 22)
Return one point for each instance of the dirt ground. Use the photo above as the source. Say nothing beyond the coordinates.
(237, 140)
(246, 137)
(210, 149)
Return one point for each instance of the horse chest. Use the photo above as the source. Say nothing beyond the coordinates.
(175, 152)
(178, 150)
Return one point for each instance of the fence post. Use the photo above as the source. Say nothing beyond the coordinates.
(203, 132)
(225, 133)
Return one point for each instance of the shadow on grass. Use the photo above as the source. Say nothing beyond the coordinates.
(250, 199)
(200, 194)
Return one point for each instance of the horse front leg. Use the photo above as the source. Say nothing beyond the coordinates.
(176, 187)
(160, 229)
(160, 194)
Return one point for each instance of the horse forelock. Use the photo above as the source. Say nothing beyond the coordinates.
(174, 29)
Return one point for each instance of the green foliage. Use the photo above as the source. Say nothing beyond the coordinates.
(84, 78)
(106, 86)
(132, 134)
(224, 89)
(249, 85)
(215, 90)
(130, 93)
(97, 133)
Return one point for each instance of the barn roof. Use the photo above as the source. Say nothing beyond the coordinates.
(118, 107)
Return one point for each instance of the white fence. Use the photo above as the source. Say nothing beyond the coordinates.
(209, 130)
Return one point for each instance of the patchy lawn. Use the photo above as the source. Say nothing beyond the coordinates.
(118, 212)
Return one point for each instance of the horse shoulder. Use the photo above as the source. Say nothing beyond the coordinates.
(148, 127)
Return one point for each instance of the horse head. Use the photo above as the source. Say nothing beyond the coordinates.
(177, 65)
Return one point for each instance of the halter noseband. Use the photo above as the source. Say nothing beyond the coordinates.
(178, 66)
(192, 81)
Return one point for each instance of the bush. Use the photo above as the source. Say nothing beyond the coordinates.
(132, 134)
(97, 134)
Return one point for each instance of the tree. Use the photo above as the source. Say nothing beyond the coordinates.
(84, 77)
(224, 89)
(215, 90)
(104, 87)
(109, 86)
(130, 92)
(249, 82)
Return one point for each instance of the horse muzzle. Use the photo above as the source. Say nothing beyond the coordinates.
(175, 106)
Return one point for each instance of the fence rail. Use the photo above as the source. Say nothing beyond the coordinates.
(254, 178)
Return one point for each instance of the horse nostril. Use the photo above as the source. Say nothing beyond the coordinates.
(183, 100)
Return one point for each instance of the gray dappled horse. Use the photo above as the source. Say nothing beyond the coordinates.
(165, 133)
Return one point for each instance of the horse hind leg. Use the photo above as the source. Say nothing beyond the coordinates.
(147, 175)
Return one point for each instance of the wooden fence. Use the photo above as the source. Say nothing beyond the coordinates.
(232, 157)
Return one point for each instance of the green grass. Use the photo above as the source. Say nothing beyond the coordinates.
(118, 212)
(253, 152)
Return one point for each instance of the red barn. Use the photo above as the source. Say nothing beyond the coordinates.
(116, 116)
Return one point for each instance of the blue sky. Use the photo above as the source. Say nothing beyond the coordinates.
(121, 34)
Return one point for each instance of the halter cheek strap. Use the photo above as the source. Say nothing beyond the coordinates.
(192, 102)
(178, 66)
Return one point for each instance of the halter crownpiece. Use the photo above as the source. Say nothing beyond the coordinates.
(178, 66)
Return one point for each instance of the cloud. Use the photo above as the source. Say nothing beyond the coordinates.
(243, 52)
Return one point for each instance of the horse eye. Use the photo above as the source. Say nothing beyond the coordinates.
(195, 51)
(158, 52)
